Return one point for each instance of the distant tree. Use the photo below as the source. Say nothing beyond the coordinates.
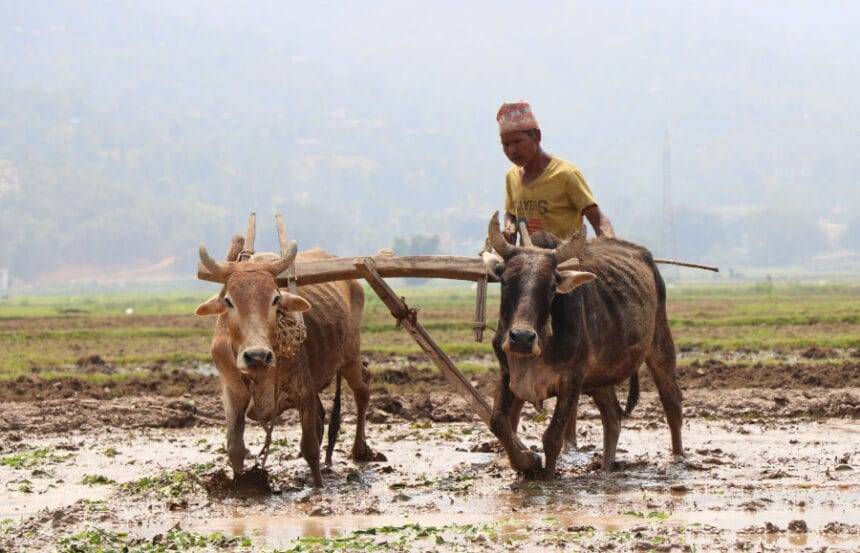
(419, 244)
(783, 237)
(699, 234)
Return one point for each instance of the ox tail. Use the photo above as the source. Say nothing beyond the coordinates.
(632, 394)
(334, 423)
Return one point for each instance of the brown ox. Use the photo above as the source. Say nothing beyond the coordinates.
(261, 384)
(563, 332)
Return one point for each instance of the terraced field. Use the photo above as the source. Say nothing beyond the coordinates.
(111, 437)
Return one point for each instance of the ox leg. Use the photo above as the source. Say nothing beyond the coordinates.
(661, 364)
(570, 429)
(320, 420)
(310, 444)
(358, 383)
(524, 461)
(235, 405)
(610, 416)
(516, 411)
(553, 437)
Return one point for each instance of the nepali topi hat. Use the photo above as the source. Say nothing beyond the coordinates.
(516, 116)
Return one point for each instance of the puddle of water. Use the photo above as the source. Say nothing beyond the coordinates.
(281, 530)
(443, 483)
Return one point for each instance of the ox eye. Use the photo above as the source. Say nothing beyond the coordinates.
(275, 300)
(228, 302)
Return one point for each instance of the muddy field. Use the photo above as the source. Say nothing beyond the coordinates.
(103, 450)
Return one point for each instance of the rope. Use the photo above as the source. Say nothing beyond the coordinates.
(291, 336)
(411, 315)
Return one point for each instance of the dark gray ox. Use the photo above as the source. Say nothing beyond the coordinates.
(566, 332)
(261, 384)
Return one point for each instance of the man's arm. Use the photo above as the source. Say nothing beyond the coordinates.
(600, 222)
(510, 229)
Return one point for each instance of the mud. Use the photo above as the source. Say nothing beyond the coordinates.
(146, 380)
(411, 374)
(741, 486)
(772, 464)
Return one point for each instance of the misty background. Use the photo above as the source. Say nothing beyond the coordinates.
(130, 131)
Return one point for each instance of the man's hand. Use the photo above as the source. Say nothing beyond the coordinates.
(510, 229)
(599, 221)
(510, 233)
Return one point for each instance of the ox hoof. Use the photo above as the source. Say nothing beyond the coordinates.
(549, 474)
(363, 454)
(536, 474)
(238, 465)
(533, 468)
(614, 467)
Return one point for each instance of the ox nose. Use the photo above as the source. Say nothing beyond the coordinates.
(258, 358)
(522, 339)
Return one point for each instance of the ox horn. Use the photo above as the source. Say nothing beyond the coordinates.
(497, 240)
(218, 269)
(524, 234)
(282, 264)
(571, 248)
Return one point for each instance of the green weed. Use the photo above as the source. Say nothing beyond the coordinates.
(96, 480)
(110, 452)
(33, 458)
(104, 541)
(170, 483)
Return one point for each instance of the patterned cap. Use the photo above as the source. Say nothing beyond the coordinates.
(516, 116)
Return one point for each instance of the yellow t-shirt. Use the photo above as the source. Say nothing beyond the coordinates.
(553, 202)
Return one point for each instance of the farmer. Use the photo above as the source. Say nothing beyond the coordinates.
(545, 192)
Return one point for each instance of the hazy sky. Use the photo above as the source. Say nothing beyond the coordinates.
(600, 74)
(377, 118)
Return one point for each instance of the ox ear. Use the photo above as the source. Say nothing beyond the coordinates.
(213, 306)
(573, 279)
(291, 302)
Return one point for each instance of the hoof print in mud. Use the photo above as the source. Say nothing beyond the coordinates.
(254, 482)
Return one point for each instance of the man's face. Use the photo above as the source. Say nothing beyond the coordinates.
(520, 146)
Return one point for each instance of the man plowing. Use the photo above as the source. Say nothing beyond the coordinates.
(546, 193)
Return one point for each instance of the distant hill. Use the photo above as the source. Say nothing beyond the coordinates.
(131, 131)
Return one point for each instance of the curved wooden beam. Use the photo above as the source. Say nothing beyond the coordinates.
(450, 267)
(416, 266)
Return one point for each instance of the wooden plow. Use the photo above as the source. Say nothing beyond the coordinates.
(375, 269)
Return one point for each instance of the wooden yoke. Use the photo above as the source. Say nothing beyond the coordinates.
(343, 268)
(408, 318)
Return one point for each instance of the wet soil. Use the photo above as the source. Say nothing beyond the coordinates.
(743, 485)
(409, 374)
(407, 393)
(773, 463)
